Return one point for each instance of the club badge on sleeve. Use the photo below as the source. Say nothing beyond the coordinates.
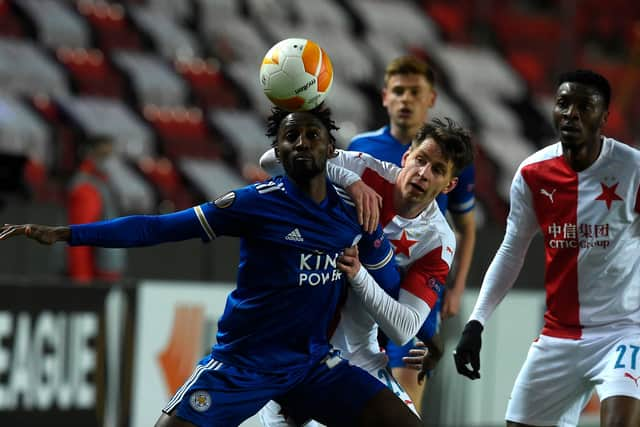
(226, 200)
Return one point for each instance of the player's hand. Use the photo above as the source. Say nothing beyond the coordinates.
(349, 263)
(418, 359)
(41, 233)
(368, 204)
(467, 351)
(451, 304)
(435, 350)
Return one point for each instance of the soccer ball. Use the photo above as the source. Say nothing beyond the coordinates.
(296, 74)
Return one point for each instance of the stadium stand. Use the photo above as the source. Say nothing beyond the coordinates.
(174, 78)
(175, 83)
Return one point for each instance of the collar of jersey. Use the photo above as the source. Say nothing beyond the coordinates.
(293, 189)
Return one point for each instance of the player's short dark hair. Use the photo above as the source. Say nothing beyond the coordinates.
(589, 78)
(405, 65)
(453, 140)
(278, 114)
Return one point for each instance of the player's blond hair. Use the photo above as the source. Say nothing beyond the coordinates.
(405, 65)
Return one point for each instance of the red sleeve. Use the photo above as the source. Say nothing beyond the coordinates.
(638, 200)
(385, 189)
(425, 275)
(85, 205)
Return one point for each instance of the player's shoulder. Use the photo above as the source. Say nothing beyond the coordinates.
(252, 193)
(436, 226)
(344, 196)
(442, 228)
(273, 185)
(621, 151)
(549, 153)
(369, 136)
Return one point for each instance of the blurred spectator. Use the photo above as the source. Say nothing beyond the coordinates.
(91, 199)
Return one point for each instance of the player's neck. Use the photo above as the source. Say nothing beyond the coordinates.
(315, 188)
(403, 135)
(408, 209)
(581, 156)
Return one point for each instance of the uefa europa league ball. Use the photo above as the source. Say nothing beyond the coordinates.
(296, 74)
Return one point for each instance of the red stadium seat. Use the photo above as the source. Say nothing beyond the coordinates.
(91, 72)
(531, 68)
(10, 23)
(165, 177)
(210, 87)
(112, 28)
(182, 131)
(454, 20)
(517, 30)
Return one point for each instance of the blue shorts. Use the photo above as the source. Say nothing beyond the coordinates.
(332, 392)
(395, 352)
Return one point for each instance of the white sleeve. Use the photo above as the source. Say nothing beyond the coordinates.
(336, 173)
(522, 225)
(357, 162)
(341, 176)
(270, 164)
(399, 320)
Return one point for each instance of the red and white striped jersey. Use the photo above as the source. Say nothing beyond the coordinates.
(590, 221)
(424, 248)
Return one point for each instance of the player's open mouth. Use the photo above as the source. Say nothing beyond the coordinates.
(569, 129)
(417, 188)
(302, 159)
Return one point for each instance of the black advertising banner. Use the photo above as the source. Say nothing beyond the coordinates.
(60, 355)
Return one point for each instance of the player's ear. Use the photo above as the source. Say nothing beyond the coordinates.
(383, 94)
(434, 96)
(331, 150)
(404, 156)
(605, 116)
(451, 185)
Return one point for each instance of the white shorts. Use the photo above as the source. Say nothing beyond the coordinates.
(270, 415)
(559, 376)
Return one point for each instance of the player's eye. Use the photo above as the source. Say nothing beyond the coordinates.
(438, 170)
(291, 136)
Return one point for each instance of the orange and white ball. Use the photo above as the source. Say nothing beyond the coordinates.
(296, 74)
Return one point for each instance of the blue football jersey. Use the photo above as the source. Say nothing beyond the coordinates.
(382, 145)
(288, 286)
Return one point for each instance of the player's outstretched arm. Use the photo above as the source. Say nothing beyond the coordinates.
(123, 232)
(44, 234)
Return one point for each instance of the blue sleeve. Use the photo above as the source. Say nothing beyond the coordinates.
(355, 145)
(376, 255)
(138, 230)
(430, 326)
(237, 213)
(462, 197)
